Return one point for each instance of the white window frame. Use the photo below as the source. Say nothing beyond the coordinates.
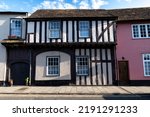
(145, 62)
(82, 28)
(53, 29)
(48, 66)
(15, 29)
(147, 31)
(83, 68)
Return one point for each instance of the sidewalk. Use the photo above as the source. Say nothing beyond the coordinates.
(76, 90)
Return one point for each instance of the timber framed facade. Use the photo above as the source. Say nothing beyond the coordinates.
(58, 50)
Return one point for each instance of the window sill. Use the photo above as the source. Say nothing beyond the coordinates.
(141, 38)
(54, 38)
(82, 75)
(52, 75)
(83, 37)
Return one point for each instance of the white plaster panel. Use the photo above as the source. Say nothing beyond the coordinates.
(82, 52)
(48, 35)
(104, 73)
(75, 31)
(82, 80)
(70, 31)
(99, 74)
(108, 54)
(77, 77)
(93, 54)
(30, 28)
(98, 54)
(64, 32)
(37, 32)
(94, 31)
(100, 29)
(110, 73)
(93, 73)
(88, 77)
(106, 32)
(43, 32)
(103, 54)
(111, 31)
(65, 73)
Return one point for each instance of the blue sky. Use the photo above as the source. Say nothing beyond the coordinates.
(32, 5)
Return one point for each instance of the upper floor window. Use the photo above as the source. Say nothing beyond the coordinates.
(146, 63)
(84, 29)
(82, 66)
(54, 27)
(141, 31)
(16, 27)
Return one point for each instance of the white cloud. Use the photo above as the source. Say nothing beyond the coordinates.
(96, 4)
(75, 1)
(84, 4)
(134, 3)
(57, 4)
(3, 6)
(125, 0)
(62, 4)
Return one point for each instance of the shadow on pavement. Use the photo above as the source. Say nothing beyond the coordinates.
(127, 97)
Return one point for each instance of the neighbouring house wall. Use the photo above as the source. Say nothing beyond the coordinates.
(132, 50)
(5, 25)
(4, 33)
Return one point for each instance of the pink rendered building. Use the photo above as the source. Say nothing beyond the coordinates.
(133, 46)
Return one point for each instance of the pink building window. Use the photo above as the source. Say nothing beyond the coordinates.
(146, 63)
(141, 31)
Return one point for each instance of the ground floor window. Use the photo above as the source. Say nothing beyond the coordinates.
(53, 66)
(82, 66)
(146, 63)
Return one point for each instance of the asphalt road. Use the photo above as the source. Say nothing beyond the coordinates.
(73, 97)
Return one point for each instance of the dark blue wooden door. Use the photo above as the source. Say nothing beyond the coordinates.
(19, 73)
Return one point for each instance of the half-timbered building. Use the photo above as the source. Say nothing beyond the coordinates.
(64, 47)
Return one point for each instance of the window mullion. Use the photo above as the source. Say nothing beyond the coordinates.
(139, 31)
(146, 26)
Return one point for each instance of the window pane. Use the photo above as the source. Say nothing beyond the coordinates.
(143, 30)
(55, 29)
(54, 34)
(148, 30)
(16, 25)
(135, 31)
(82, 67)
(146, 61)
(53, 65)
(84, 28)
(147, 68)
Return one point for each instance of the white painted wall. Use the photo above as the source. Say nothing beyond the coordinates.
(4, 33)
(65, 73)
